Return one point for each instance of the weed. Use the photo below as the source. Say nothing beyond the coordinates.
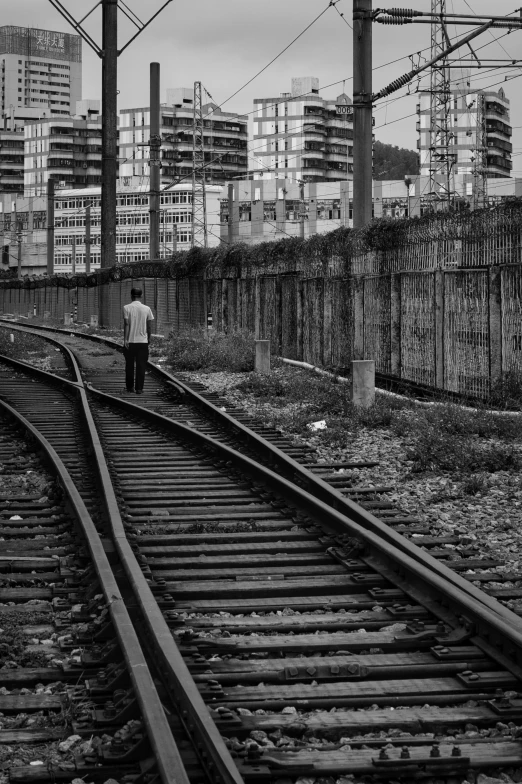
(474, 484)
(263, 387)
(431, 448)
(197, 349)
(507, 392)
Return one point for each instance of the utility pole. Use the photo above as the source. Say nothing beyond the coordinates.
(50, 227)
(199, 201)
(440, 108)
(19, 249)
(109, 131)
(230, 213)
(88, 239)
(302, 213)
(480, 164)
(154, 162)
(73, 256)
(362, 113)
(109, 54)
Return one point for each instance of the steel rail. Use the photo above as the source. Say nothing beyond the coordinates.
(164, 649)
(317, 487)
(164, 747)
(496, 630)
(470, 619)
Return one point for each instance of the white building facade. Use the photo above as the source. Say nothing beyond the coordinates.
(41, 69)
(302, 136)
(132, 238)
(475, 117)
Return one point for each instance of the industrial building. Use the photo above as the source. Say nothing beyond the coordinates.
(301, 136)
(132, 238)
(264, 210)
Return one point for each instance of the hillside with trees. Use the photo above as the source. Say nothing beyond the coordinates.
(392, 163)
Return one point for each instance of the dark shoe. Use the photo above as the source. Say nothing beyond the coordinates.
(139, 391)
(130, 390)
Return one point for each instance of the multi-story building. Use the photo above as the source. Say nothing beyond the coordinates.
(225, 137)
(23, 228)
(11, 161)
(67, 150)
(474, 116)
(302, 136)
(41, 69)
(132, 238)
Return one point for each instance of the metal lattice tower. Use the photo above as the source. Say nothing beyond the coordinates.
(441, 159)
(199, 204)
(480, 164)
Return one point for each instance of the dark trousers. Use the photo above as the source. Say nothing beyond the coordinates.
(136, 356)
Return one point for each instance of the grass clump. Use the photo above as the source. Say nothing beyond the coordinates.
(507, 392)
(432, 449)
(197, 349)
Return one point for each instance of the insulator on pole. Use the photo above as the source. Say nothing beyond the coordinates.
(402, 12)
(393, 20)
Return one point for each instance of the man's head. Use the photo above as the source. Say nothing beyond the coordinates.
(136, 293)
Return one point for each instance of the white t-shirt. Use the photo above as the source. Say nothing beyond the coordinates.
(137, 314)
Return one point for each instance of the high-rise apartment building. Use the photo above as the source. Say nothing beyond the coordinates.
(225, 137)
(68, 150)
(475, 117)
(41, 69)
(302, 136)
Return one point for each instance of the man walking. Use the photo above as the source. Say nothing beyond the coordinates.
(137, 320)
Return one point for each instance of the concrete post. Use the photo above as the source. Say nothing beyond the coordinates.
(257, 306)
(395, 326)
(439, 328)
(363, 382)
(67, 319)
(94, 321)
(262, 362)
(495, 325)
(358, 317)
(327, 322)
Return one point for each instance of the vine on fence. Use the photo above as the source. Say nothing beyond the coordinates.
(312, 256)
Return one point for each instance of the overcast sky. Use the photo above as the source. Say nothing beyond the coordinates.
(224, 44)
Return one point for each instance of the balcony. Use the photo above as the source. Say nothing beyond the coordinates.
(501, 163)
(314, 163)
(499, 144)
(318, 130)
(495, 126)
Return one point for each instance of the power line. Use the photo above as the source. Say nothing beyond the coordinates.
(330, 4)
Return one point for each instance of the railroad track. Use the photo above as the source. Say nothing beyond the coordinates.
(99, 360)
(72, 672)
(267, 608)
